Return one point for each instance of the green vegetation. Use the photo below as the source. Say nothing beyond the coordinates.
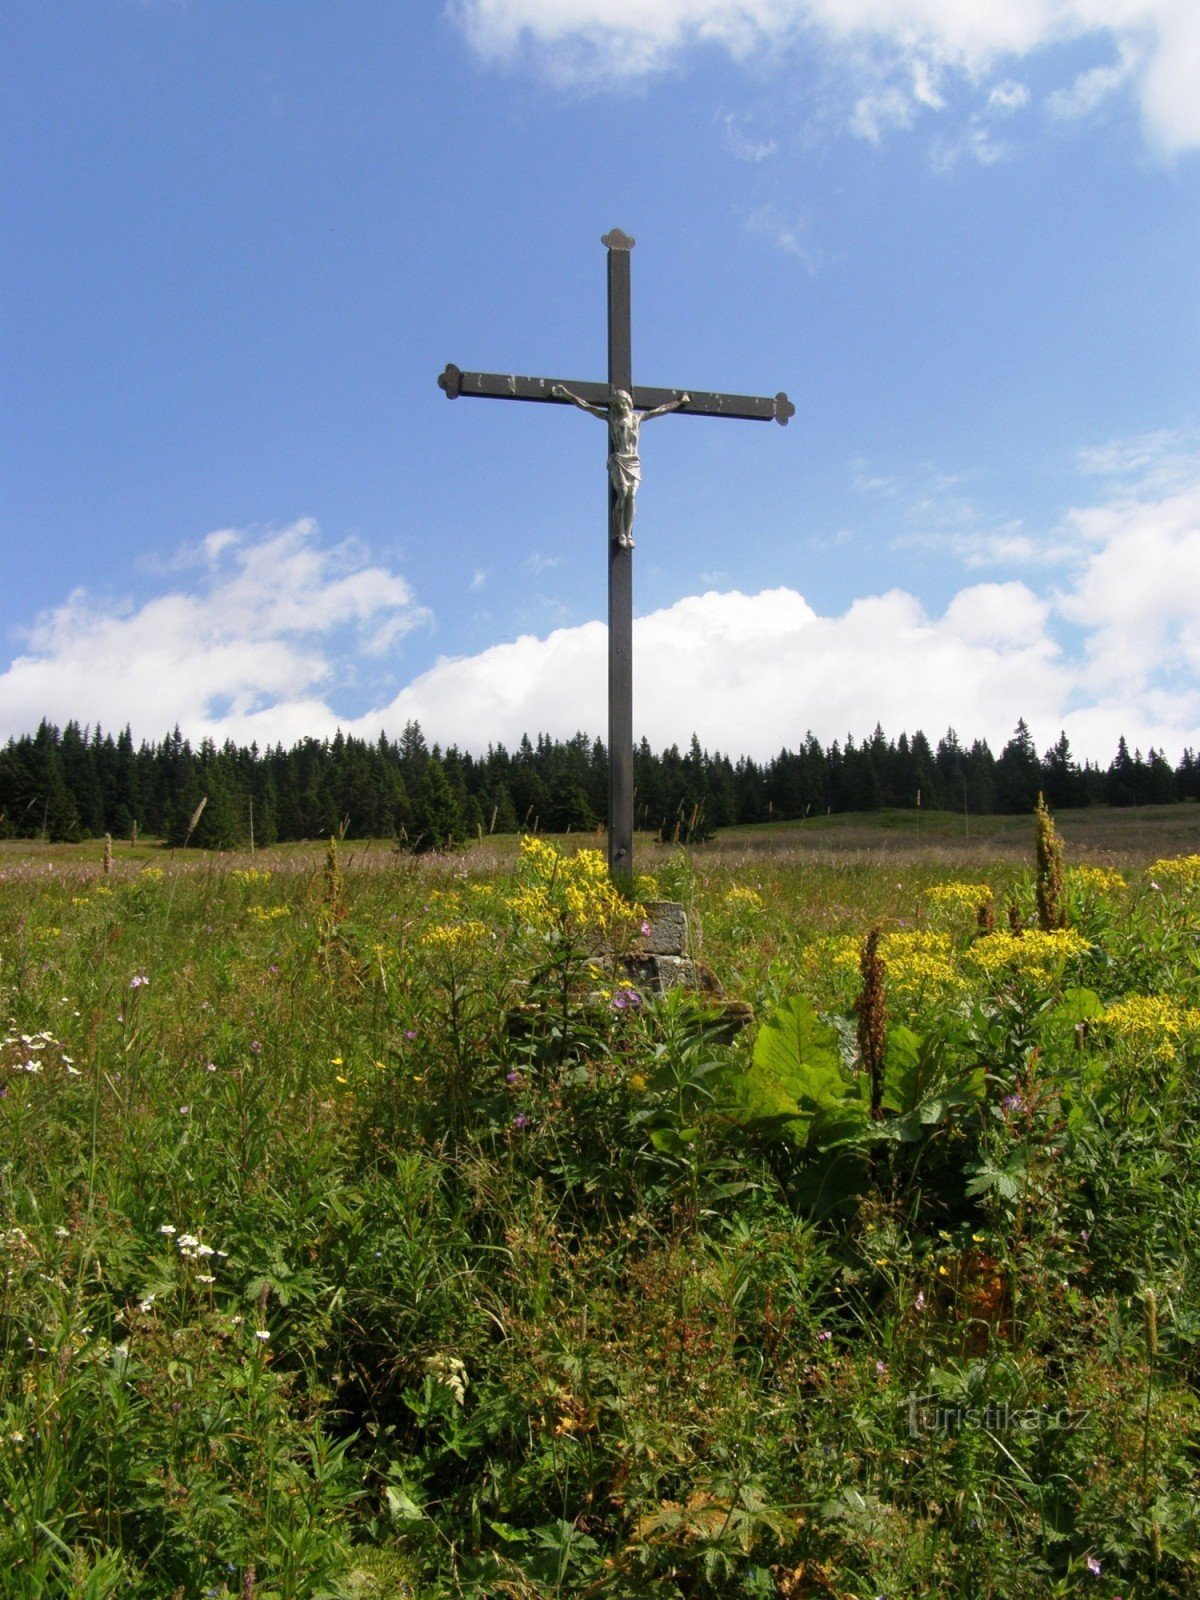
(78, 782)
(364, 1232)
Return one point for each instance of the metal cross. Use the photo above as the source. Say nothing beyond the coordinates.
(607, 399)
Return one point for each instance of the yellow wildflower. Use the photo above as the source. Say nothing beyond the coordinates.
(741, 899)
(966, 897)
(569, 892)
(920, 964)
(1182, 872)
(454, 935)
(1036, 953)
(267, 913)
(1153, 1023)
(1095, 880)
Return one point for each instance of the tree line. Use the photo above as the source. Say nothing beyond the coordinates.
(76, 782)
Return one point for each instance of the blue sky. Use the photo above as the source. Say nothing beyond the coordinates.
(241, 241)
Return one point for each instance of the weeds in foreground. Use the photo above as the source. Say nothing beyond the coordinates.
(374, 1236)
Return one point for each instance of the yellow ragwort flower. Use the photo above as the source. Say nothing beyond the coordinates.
(965, 897)
(740, 899)
(920, 965)
(454, 935)
(1095, 880)
(1182, 872)
(1153, 1024)
(1036, 953)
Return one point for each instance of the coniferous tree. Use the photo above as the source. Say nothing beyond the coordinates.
(1018, 772)
(438, 822)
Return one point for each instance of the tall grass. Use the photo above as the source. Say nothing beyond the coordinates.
(363, 1233)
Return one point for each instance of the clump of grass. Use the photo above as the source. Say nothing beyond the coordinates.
(472, 1275)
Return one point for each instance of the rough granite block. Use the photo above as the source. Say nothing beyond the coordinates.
(668, 928)
(655, 974)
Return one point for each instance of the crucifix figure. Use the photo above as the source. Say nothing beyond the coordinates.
(624, 463)
(624, 408)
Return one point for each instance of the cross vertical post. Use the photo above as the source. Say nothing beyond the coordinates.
(624, 409)
(620, 586)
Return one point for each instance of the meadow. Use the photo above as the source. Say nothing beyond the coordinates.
(364, 1231)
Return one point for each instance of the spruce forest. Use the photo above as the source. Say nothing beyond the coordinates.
(78, 782)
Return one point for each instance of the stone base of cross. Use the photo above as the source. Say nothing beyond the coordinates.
(624, 407)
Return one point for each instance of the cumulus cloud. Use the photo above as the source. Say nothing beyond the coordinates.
(240, 651)
(752, 673)
(1136, 597)
(265, 632)
(1156, 42)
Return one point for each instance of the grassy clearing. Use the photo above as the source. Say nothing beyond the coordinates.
(362, 1234)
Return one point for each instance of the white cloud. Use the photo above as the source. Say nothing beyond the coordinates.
(787, 232)
(1008, 97)
(1148, 464)
(972, 143)
(1137, 595)
(259, 644)
(743, 145)
(1089, 90)
(1157, 43)
(240, 654)
(536, 563)
(880, 111)
(751, 673)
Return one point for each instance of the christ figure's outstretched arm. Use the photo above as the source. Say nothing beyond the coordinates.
(561, 392)
(661, 411)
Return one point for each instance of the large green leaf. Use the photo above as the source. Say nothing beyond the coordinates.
(796, 1079)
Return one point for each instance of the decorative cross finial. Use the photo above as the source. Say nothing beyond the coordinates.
(616, 240)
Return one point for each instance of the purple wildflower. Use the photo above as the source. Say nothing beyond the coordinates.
(255, 1046)
(139, 981)
(520, 1121)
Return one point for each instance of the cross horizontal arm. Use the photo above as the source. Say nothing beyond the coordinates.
(754, 408)
(503, 386)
